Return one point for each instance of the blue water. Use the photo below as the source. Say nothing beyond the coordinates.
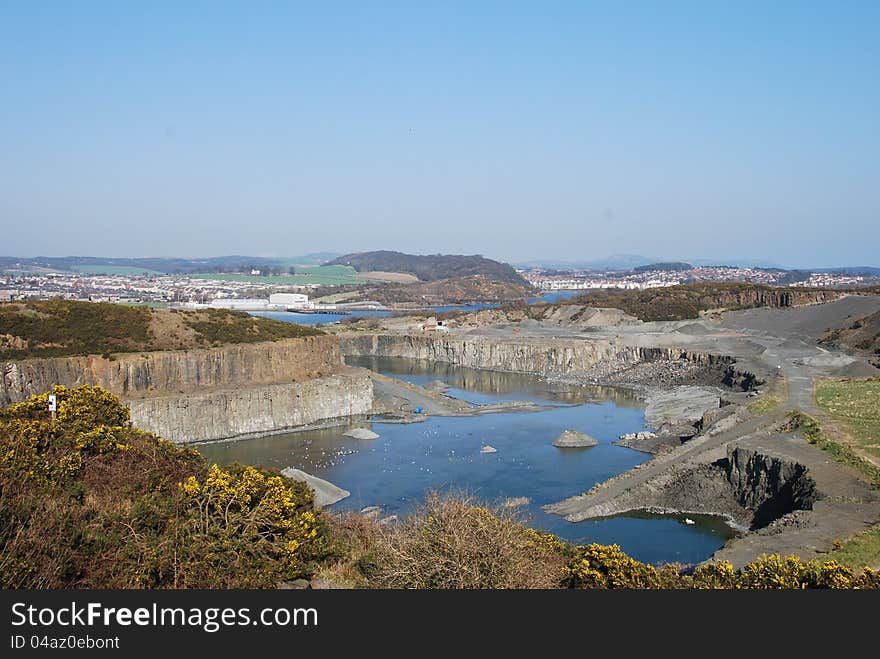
(314, 318)
(409, 460)
(555, 296)
(318, 318)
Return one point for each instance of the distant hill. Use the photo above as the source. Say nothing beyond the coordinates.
(314, 258)
(667, 266)
(432, 267)
(164, 265)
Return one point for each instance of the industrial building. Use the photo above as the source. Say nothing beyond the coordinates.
(289, 300)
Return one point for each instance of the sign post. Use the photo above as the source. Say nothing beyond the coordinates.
(53, 405)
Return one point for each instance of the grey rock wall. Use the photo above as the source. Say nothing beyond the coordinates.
(258, 410)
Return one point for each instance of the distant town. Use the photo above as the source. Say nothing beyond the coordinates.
(645, 277)
(257, 289)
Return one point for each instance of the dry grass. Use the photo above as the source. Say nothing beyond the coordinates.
(453, 543)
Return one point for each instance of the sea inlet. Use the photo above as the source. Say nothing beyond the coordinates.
(407, 461)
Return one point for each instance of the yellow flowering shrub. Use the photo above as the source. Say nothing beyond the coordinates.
(606, 566)
(716, 575)
(102, 439)
(232, 507)
(546, 542)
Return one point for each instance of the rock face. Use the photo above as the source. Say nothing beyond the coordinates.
(767, 484)
(534, 356)
(161, 373)
(361, 433)
(253, 410)
(326, 493)
(575, 439)
(752, 486)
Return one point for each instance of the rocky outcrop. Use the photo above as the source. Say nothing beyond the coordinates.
(574, 439)
(765, 296)
(326, 493)
(165, 372)
(257, 410)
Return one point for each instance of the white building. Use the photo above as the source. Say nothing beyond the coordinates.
(289, 299)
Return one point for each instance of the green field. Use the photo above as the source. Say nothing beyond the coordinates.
(325, 275)
(113, 270)
(856, 404)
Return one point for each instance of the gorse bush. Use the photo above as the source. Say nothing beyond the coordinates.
(88, 500)
(604, 566)
(63, 327)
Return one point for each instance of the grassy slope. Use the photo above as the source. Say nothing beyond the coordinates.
(59, 328)
(856, 406)
(843, 400)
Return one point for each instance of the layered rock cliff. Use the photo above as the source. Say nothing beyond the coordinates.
(258, 410)
(180, 371)
(215, 393)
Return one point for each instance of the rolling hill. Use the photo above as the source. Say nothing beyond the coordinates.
(432, 267)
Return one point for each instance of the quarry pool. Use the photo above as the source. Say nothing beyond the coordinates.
(443, 453)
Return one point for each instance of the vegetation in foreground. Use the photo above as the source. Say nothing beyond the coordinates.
(454, 542)
(863, 549)
(60, 328)
(88, 500)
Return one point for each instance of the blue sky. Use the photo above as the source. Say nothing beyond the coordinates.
(515, 130)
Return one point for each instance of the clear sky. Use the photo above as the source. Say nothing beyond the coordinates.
(516, 130)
